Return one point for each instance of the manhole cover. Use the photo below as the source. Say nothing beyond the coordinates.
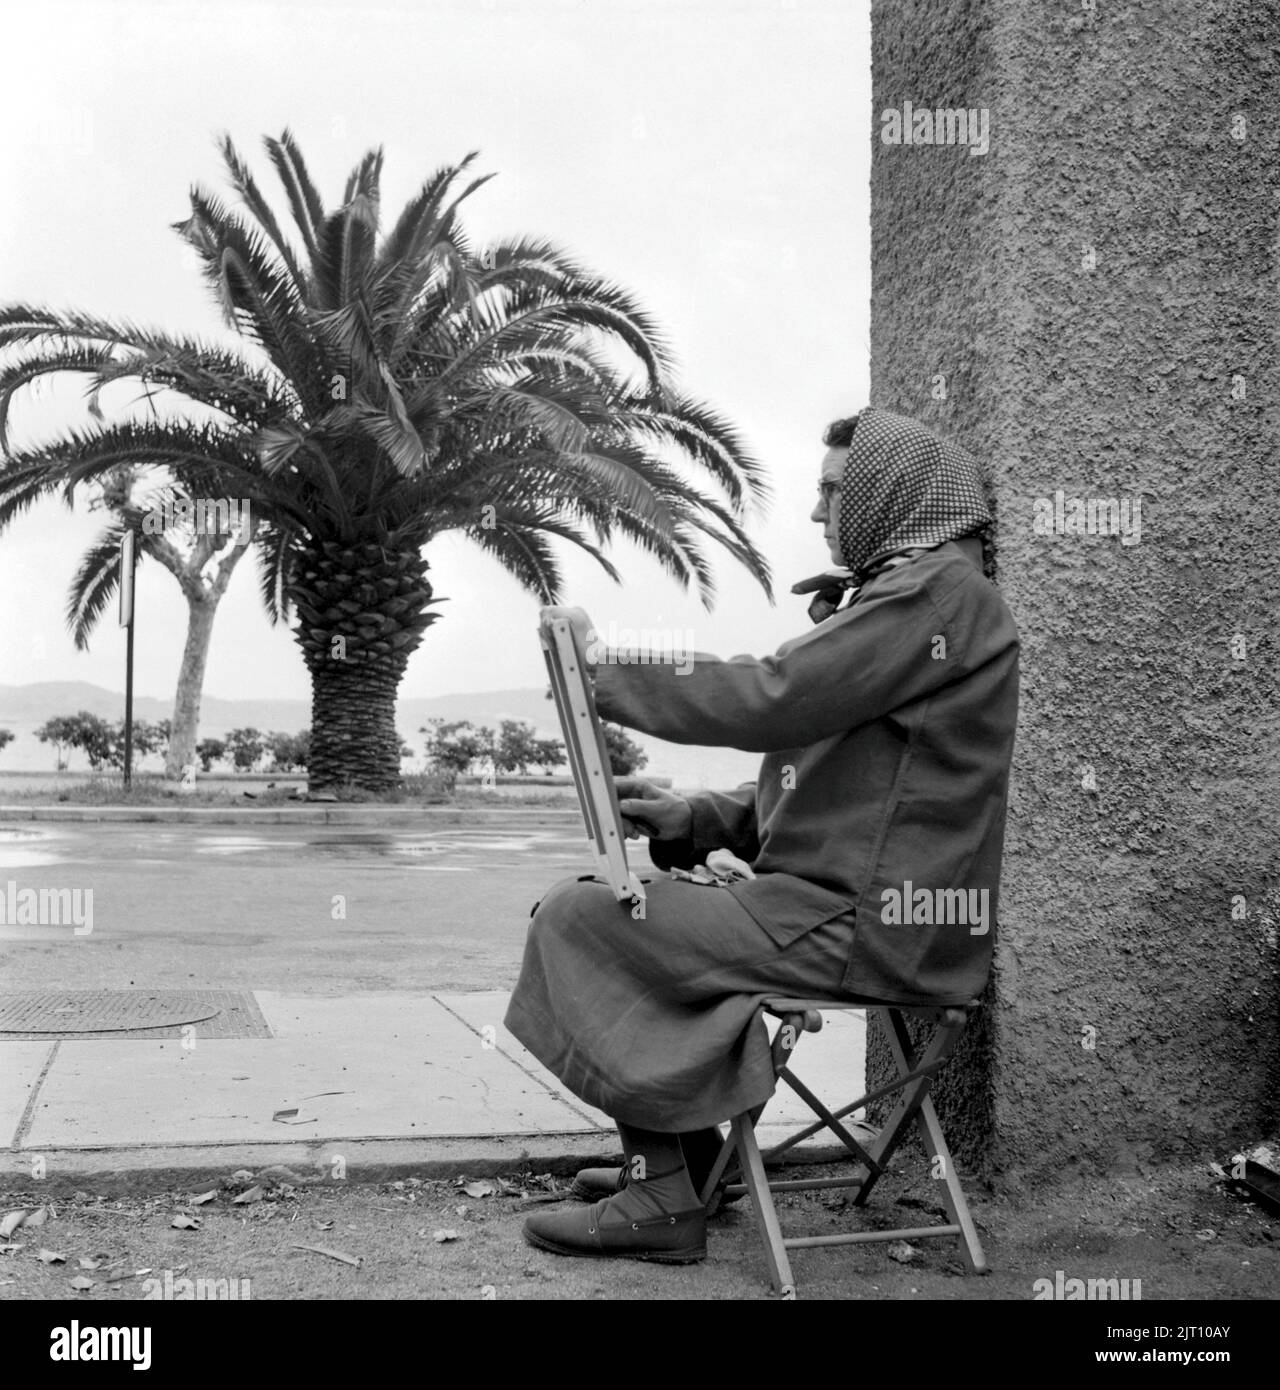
(133, 1013)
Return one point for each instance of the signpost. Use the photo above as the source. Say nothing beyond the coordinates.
(128, 564)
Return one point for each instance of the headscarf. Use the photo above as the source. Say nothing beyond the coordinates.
(902, 489)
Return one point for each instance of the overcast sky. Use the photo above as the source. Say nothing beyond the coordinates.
(711, 155)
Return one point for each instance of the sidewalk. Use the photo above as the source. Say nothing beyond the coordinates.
(383, 1085)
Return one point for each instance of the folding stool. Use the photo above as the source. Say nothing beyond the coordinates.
(915, 1076)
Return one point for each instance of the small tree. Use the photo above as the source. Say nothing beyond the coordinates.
(289, 752)
(246, 747)
(453, 747)
(625, 755)
(517, 747)
(148, 737)
(60, 731)
(94, 736)
(548, 754)
(5, 737)
(210, 751)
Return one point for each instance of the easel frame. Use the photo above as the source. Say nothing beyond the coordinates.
(588, 755)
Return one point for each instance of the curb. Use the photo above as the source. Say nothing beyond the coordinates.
(118, 1171)
(430, 816)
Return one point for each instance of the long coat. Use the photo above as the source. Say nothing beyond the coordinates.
(887, 732)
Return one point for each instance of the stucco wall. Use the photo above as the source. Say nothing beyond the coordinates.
(1093, 288)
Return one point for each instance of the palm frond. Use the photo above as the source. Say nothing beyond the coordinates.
(304, 201)
(243, 182)
(94, 583)
(523, 552)
(274, 555)
(16, 375)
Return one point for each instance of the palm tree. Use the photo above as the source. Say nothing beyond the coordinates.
(396, 384)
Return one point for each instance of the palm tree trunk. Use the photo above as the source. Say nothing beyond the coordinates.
(361, 611)
(354, 742)
(186, 701)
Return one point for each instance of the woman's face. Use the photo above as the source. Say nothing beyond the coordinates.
(827, 511)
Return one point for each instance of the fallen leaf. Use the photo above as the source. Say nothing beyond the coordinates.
(11, 1249)
(278, 1175)
(37, 1217)
(11, 1223)
(51, 1257)
(902, 1252)
(484, 1188)
(324, 1225)
(86, 1263)
(185, 1223)
(353, 1260)
(254, 1194)
(442, 1236)
(80, 1282)
(241, 1175)
(1206, 1234)
(203, 1198)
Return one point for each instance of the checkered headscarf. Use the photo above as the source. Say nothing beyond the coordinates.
(902, 488)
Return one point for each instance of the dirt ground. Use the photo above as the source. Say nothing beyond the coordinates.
(1179, 1231)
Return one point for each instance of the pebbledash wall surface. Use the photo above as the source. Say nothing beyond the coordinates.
(1091, 306)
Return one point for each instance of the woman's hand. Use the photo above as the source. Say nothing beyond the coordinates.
(651, 811)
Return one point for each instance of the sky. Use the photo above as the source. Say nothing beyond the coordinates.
(713, 156)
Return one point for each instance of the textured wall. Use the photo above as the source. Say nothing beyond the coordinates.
(1099, 291)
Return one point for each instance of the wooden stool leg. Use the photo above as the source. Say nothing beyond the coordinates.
(935, 1145)
(775, 1252)
(727, 1151)
(914, 1091)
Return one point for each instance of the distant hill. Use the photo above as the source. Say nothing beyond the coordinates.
(31, 705)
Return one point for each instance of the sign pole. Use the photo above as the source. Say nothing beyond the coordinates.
(128, 564)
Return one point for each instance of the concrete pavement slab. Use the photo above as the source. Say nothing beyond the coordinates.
(401, 1017)
(20, 1066)
(397, 1066)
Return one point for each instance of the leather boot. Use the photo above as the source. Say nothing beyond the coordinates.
(655, 1216)
(622, 1226)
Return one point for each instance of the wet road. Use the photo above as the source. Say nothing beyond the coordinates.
(288, 908)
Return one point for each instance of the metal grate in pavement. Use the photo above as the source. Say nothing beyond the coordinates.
(130, 1013)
